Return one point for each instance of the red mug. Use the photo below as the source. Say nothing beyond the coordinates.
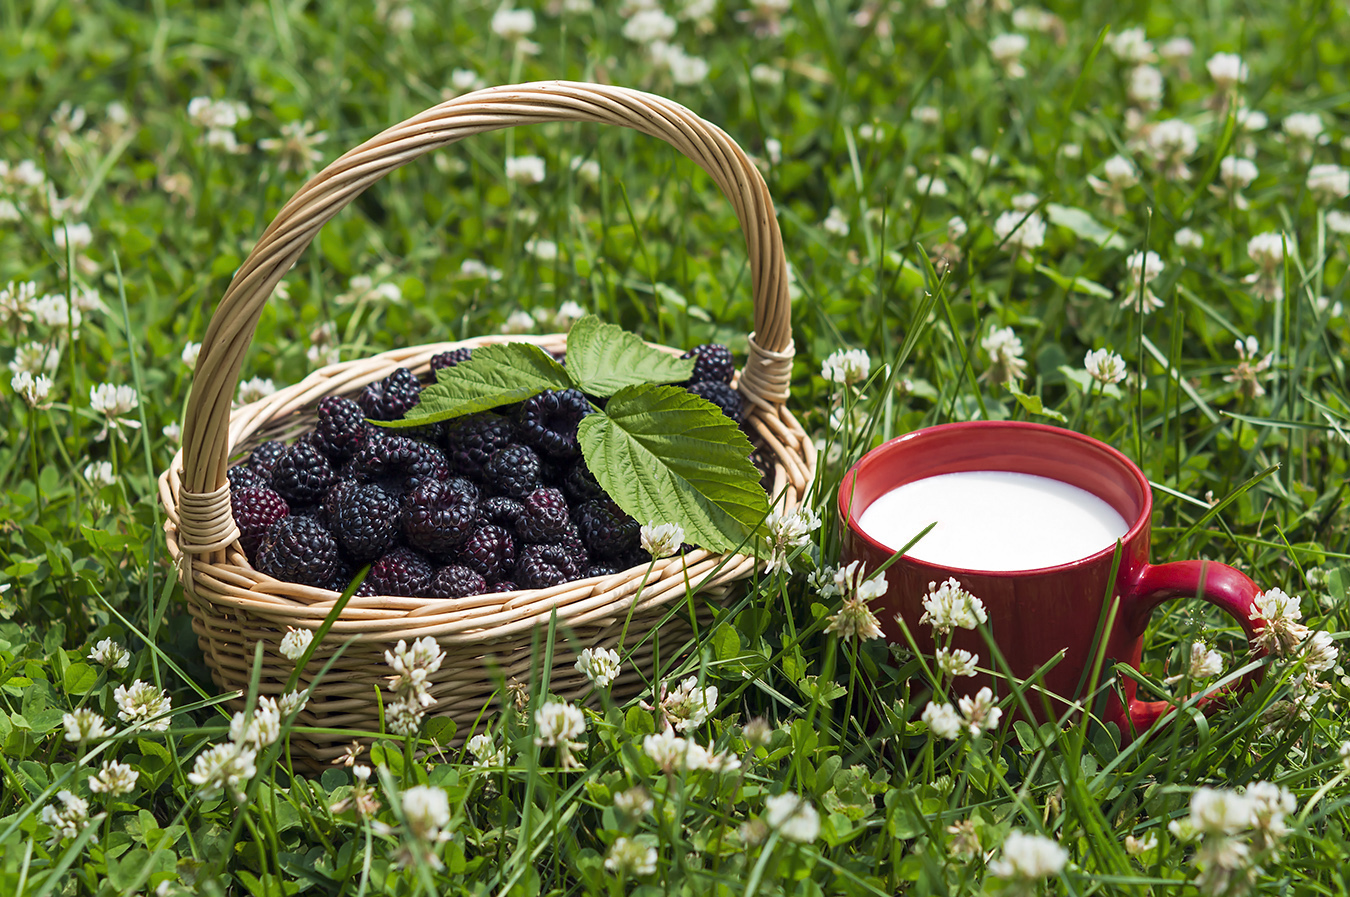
(1035, 614)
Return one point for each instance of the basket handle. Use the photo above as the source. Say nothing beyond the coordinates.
(764, 379)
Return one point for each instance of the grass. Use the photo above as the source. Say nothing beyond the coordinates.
(901, 118)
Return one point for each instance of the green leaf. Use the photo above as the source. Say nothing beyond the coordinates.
(603, 358)
(1033, 404)
(1076, 284)
(79, 678)
(1085, 226)
(667, 456)
(495, 375)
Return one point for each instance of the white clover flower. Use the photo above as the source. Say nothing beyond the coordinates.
(1029, 857)
(634, 803)
(114, 779)
(1279, 615)
(981, 714)
(476, 269)
(297, 147)
(1267, 250)
(1237, 173)
(84, 725)
(1177, 49)
(684, 68)
(1104, 366)
(929, 185)
(1328, 183)
(525, 169)
(599, 665)
(1270, 803)
(191, 352)
(254, 389)
(558, 722)
(1140, 846)
(100, 474)
(958, 662)
(1227, 69)
(846, 367)
(1219, 811)
(113, 402)
(1303, 127)
(512, 24)
(1344, 753)
(221, 768)
(1204, 663)
(35, 358)
(1250, 370)
(666, 748)
(33, 390)
(1120, 175)
(140, 703)
(630, 857)
(688, 706)
(1319, 652)
(55, 312)
(519, 321)
(1186, 238)
(262, 729)
(1020, 232)
(836, 222)
(787, 532)
(1142, 268)
(293, 702)
(78, 236)
(649, 26)
(110, 654)
(1172, 142)
(855, 620)
(948, 606)
(1338, 222)
(485, 751)
(567, 314)
(793, 817)
(1007, 50)
(1004, 349)
(942, 720)
(661, 540)
(1145, 87)
(1131, 46)
(544, 250)
(465, 80)
(427, 810)
(68, 821)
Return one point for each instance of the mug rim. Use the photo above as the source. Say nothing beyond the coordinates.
(849, 517)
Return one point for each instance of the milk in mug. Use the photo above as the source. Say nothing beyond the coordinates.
(994, 520)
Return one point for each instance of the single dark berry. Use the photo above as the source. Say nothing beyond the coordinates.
(399, 463)
(392, 397)
(366, 589)
(401, 572)
(548, 423)
(437, 518)
(712, 364)
(500, 510)
(505, 585)
(244, 476)
(543, 516)
(450, 359)
(303, 474)
(541, 566)
(606, 530)
(341, 429)
(580, 485)
(256, 509)
(571, 540)
(606, 568)
(299, 549)
(465, 485)
(364, 519)
(763, 462)
(490, 550)
(455, 581)
(266, 456)
(723, 396)
(637, 558)
(471, 440)
(513, 471)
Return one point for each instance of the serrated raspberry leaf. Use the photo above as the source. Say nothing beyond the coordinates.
(667, 456)
(604, 358)
(496, 375)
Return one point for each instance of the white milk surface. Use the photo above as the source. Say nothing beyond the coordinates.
(994, 520)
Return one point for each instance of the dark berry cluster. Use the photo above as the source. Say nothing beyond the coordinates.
(490, 502)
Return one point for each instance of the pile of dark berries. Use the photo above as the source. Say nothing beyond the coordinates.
(491, 502)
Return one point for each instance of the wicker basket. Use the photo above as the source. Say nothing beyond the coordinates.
(487, 637)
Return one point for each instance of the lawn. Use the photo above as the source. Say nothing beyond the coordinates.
(1129, 220)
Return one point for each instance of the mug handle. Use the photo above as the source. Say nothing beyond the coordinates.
(1228, 589)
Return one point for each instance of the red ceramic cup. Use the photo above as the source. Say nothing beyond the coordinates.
(1035, 614)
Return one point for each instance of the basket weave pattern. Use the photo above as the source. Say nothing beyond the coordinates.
(487, 637)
